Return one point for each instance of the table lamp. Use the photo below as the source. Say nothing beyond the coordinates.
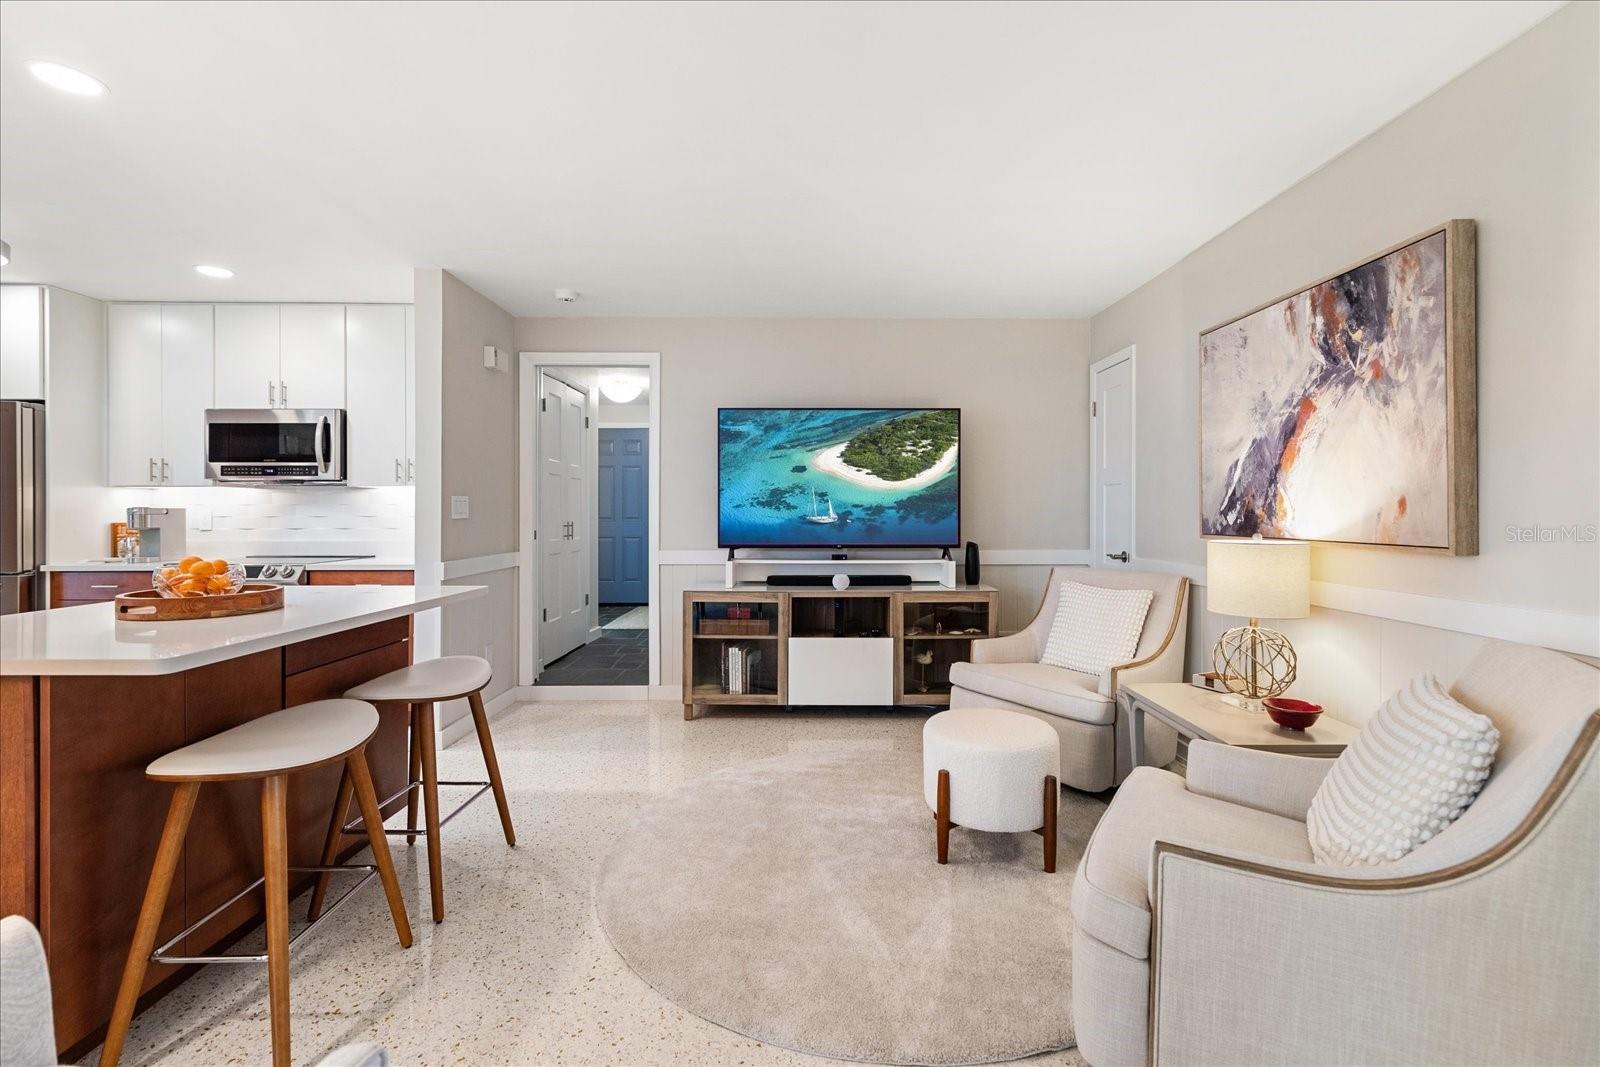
(1258, 579)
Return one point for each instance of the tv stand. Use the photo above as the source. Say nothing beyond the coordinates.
(759, 646)
(740, 572)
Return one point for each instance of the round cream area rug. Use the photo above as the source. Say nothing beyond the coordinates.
(797, 900)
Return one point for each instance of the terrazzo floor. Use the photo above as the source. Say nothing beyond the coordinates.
(519, 972)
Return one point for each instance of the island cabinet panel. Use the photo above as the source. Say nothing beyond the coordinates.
(100, 822)
(387, 753)
(222, 853)
(19, 782)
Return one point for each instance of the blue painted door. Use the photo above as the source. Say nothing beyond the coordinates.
(623, 543)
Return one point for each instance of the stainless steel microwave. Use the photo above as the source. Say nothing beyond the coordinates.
(255, 446)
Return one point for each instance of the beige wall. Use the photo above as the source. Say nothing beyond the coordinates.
(1022, 386)
(472, 412)
(480, 419)
(1512, 144)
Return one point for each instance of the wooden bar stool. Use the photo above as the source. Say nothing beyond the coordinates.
(269, 749)
(420, 686)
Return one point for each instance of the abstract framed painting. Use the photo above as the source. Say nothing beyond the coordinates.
(1347, 410)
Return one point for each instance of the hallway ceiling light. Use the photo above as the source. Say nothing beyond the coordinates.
(622, 388)
(213, 272)
(66, 79)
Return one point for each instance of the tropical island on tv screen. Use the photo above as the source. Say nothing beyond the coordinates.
(838, 476)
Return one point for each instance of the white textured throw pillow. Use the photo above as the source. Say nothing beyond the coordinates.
(1411, 771)
(1095, 628)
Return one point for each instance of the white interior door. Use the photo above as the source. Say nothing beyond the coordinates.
(1111, 459)
(563, 523)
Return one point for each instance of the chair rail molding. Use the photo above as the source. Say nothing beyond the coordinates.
(466, 568)
(1562, 631)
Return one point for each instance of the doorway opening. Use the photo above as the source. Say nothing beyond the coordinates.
(591, 472)
(1111, 460)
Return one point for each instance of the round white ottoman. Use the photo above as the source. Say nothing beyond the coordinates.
(994, 770)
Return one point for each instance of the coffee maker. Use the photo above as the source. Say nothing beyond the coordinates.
(162, 532)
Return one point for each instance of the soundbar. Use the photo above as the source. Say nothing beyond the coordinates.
(818, 580)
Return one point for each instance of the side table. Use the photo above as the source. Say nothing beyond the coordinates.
(1199, 713)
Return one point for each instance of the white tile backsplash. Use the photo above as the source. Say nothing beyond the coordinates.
(291, 520)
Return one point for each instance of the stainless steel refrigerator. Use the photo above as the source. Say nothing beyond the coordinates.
(21, 506)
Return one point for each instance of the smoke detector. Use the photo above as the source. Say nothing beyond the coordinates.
(566, 296)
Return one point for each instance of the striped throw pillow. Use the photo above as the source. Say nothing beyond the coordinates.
(1410, 772)
(1095, 628)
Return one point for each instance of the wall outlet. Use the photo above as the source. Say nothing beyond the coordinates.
(459, 508)
(200, 518)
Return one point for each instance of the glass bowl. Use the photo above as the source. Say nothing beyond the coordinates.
(202, 578)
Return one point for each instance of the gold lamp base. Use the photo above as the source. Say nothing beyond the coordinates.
(1254, 662)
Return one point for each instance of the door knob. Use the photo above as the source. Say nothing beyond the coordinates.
(1120, 557)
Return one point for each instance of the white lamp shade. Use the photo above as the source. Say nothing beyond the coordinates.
(1259, 579)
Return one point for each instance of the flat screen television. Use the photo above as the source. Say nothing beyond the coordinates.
(838, 477)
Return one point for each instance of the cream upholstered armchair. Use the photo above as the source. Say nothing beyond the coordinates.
(1005, 672)
(1204, 931)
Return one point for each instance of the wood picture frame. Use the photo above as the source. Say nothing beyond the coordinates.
(1448, 522)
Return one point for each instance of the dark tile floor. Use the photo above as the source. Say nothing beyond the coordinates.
(618, 657)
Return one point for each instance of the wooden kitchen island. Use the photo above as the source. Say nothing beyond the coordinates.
(87, 702)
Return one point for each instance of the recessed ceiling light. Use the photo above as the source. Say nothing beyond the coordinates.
(213, 272)
(66, 79)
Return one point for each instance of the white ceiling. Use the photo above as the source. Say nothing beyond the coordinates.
(928, 160)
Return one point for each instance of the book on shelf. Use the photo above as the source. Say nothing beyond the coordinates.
(739, 667)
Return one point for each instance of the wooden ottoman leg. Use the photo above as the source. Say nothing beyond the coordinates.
(942, 817)
(1052, 800)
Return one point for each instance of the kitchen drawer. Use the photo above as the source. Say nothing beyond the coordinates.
(359, 578)
(88, 586)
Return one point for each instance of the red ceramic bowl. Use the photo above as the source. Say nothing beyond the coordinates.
(1292, 714)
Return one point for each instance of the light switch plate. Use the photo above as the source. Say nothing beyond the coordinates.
(458, 507)
(491, 357)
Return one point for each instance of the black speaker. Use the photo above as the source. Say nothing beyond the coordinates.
(972, 563)
(800, 579)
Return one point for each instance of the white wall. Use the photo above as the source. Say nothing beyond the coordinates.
(1512, 144)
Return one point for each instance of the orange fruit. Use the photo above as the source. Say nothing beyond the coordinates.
(219, 566)
(201, 569)
(192, 587)
(220, 583)
(187, 562)
(169, 572)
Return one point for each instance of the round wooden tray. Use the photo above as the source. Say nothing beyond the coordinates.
(147, 605)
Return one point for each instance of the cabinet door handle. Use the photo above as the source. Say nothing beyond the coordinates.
(166, 475)
(283, 392)
(397, 470)
(153, 476)
(411, 470)
(272, 394)
(102, 587)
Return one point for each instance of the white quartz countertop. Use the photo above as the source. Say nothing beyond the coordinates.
(88, 639)
(377, 563)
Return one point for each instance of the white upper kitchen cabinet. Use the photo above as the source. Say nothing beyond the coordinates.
(133, 394)
(186, 385)
(22, 342)
(411, 394)
(312, 351)
(247, 361)
(375, 338)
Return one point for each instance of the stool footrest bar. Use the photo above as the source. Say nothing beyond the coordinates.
(356, 828)
(161, 955)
